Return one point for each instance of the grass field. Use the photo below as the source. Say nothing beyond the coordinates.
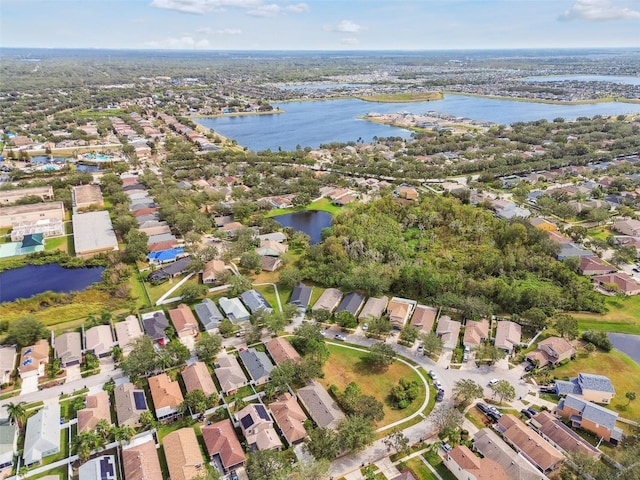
(420, 470)
(344, 367)
(623, 316)
(324, 204)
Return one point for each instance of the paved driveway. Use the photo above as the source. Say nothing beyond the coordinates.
(29, 385)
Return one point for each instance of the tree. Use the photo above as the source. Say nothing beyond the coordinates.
(208, 346)
(123, 433)
(446, 419)
(17, 413)
(504, 390)
(190, 292)
(226, 328)
(308, 340)
(488, 351)
(310, 470)
(103, 428)
(143, 359)
(322, 443)
(380, 357)
(25, 331)
(148, 420)
(117, 354)
(466, 390)
(267, 465)
(398, 441)
(355, 433)
(630, 396)
(290, 276)
(53, 367)
(195, 401)
(404, 393)
(136, 245)
(251, 261)
(409, 333)
(378, 326)
(566, 325)
(238, 284)
(321, 315)
(275, 321)
(432, 344)
(346, 319)
(175, 353)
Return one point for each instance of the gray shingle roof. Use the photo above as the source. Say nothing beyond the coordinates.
(600, 383)
(255, 301)
(351, 302)
(564, 387)
(590, 411)
(155, 324)
(208, 314)
(257, 363)
(301, 296)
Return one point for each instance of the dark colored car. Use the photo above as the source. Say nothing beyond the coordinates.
(526, 413)
(529, 367)
(532, 411)
(440, 396)
(483, 408)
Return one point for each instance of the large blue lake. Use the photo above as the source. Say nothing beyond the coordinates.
(31, 280)
(311, 124)
(310, 222)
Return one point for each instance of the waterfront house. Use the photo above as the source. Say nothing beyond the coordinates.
(590, 386)
(99, 340)
(552, 350)
(591, 417)
(68, 348)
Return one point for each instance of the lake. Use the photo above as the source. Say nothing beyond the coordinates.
(31, 280)
(627, 343)
(310, 222)
(313, 123)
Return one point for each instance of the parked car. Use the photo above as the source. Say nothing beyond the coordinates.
(440, 396)
(446, 447)
(365, 327)
(432, 374)
(493, 381)
(526, 413)
(529, 367)
(342, 338)
(483, 407)
(420, 348)
(532, 411)
(438, 385)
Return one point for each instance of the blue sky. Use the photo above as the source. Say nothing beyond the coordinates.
(319, 24)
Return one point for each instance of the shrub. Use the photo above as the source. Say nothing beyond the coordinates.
(599, 339)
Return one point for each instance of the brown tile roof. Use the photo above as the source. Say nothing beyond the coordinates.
(508, 334)
(97, 409)
(196, 377)
(480, 468)
(535, 448)
(561, 435)
(476, 331)
(374, 307)
(290, 417)
(424, 317)
(557, 344)
(212, 269)
(141, 462)
(164, 392)
(38, 353)
(398, 312)
(220, 438)
(594, 264)
(280, 350)
(622, 280)
(183, 320)
(182, 451)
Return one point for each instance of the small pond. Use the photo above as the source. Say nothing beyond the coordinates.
(310, 222)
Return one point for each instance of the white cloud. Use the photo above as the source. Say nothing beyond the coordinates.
(599, 10)
(298, 8)
(203, 6)
(350, 41)
(265, 11)
(347, 26)
(223, 31)
(185, 42)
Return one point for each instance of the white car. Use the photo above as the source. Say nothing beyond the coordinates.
(432, 374)
(493, 381)
(340, 337)
(365, 327)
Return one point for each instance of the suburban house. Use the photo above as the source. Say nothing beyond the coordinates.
(155, 324)
(130, 403)
(170, 270)
(185, 323)
(231, 228)
(591, 387)
(12, 196)
(31, 213)
(571, 249)
(465, 465)
(271, 248)
(590, 266)
(491, 446)
(197, 377)
(373, 308)
(274, 237)
(209, 315)
(182, 451)
(475, 332)
(229, 373)
(68, 348)
(529, 444)
(97, 408)
(627, 227)
(592, 417)
(223, 446)
(290, 418)
(233, 309)
(166, 396)
(8, 443)
(140, 460)
(126, 332)
(85, 196)
(212, 271)
(351, 302)
(424, 318)
(93, 233)
(257, 428)
(270, 264)
(508, 335)
(98, 468)
(542, 224)
(448, 331)
(552, 350)
(619, 281)
(42, 436)
(399, 311)
(257, 364)
(99, 340)
(301, 296)
(255, 301)
(7, 362)
(281, 351)
(321, 407)
(561, 436)
(329, 300)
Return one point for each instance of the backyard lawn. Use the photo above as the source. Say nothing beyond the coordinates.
(623, 316)
(323, 204)
(420, 470)
(344, 367)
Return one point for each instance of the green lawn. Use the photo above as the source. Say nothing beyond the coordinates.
(436, 462)
(344, 367)
(420, 470)
(64, 448)
(57, 243)
(324, 204)
(623, 316)
(59, 472)
(269, 293)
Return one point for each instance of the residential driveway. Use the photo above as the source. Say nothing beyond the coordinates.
(29, 385)
(387, 468)
(73, 374)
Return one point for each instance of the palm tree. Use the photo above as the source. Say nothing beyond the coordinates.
(123, 433)
(103, 429)
(83, 445)
(17, 413)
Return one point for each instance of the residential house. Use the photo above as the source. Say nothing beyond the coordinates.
(490, 445)
(571, 249)
(281, 351)
(31, 213)
(166, 396)
(590, 266)
(542, 224)
(231, 228)
(475, 333)
(209, 315)
(96, 409)
(290, 418)
(42, 436)
(399, 311)
(561, 436)
(93, 233)
(155, 325)
(68, 348)
(130, 403)
(8, 443)
(12, 196)
(270, 264)
(301, 296)
(465, 465)
(627, 226)
(591, 387)
(257, 364)
(85, 196)
(329, 300)
(126, 332)
(33, 359)
(7, 362)
(99, 468)
(321, 407)
(448, 330)
(529, 444)
(229, 373)
(622, 283)
(271, 248)
(233, 309)
(508, 335)
(255, 301)
(212, 271)
(197, 377)
(592, 417)
(170, 270)
(424, 318)
(373, 308)
(162, 256)
(185, 323)
(407, 192)
(352, 302)
(99, 340)
(140, 459)
(257, 428)
(223, 446)
(182, 451)
(274, 237)
(552, 350)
